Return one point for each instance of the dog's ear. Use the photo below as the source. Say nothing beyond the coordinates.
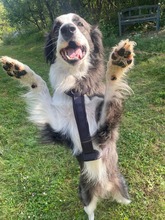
(50, 48)
(96, 37)
(51, 41)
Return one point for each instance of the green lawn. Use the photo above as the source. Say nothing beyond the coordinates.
(41, 182)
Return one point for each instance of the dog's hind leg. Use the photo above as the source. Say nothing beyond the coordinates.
(119, 190)
(89, 209)
(87, 193)
(38, 98)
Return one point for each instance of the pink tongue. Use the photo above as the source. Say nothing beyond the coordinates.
(75, 53)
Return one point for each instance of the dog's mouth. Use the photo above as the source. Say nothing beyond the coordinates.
(73, 52)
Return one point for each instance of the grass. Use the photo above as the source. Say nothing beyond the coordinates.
(41, 182)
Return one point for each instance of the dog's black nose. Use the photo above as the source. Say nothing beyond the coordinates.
(68, 31)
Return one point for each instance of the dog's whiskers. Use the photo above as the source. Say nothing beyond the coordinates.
(52, 40)
(47, 55)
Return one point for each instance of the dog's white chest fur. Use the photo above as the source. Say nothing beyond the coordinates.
(63, 107)
(65, 119)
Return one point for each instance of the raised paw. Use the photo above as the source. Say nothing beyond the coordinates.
(123, 55)
(13, 67)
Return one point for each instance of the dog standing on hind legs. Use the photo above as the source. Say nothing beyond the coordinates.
(75, 52)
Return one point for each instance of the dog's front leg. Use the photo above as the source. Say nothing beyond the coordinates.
(38, 98)
(23, 73)
(121, 60)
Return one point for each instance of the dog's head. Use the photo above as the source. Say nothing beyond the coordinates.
(72, 40)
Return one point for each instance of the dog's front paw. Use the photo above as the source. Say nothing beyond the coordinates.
(123, 55)
(121, 60)
(13, 67)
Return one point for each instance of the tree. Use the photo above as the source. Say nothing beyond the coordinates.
(4, 23)
(41, 13)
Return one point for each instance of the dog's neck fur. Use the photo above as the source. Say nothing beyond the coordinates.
(69, 74)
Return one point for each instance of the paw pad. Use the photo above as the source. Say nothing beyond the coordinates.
(7, 66)
(18, 74)
(121, 52)
(13, 67)
(122, 55)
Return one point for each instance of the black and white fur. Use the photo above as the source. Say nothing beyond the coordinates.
(75, 52)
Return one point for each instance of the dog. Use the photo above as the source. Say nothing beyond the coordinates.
(75, 52)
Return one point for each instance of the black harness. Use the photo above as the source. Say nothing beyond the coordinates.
(88, 153)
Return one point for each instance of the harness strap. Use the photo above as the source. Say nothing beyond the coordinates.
(88, 153)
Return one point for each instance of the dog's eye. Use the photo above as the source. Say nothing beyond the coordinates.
(80, 24)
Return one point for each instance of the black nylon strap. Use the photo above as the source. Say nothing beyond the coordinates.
(88, 153)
